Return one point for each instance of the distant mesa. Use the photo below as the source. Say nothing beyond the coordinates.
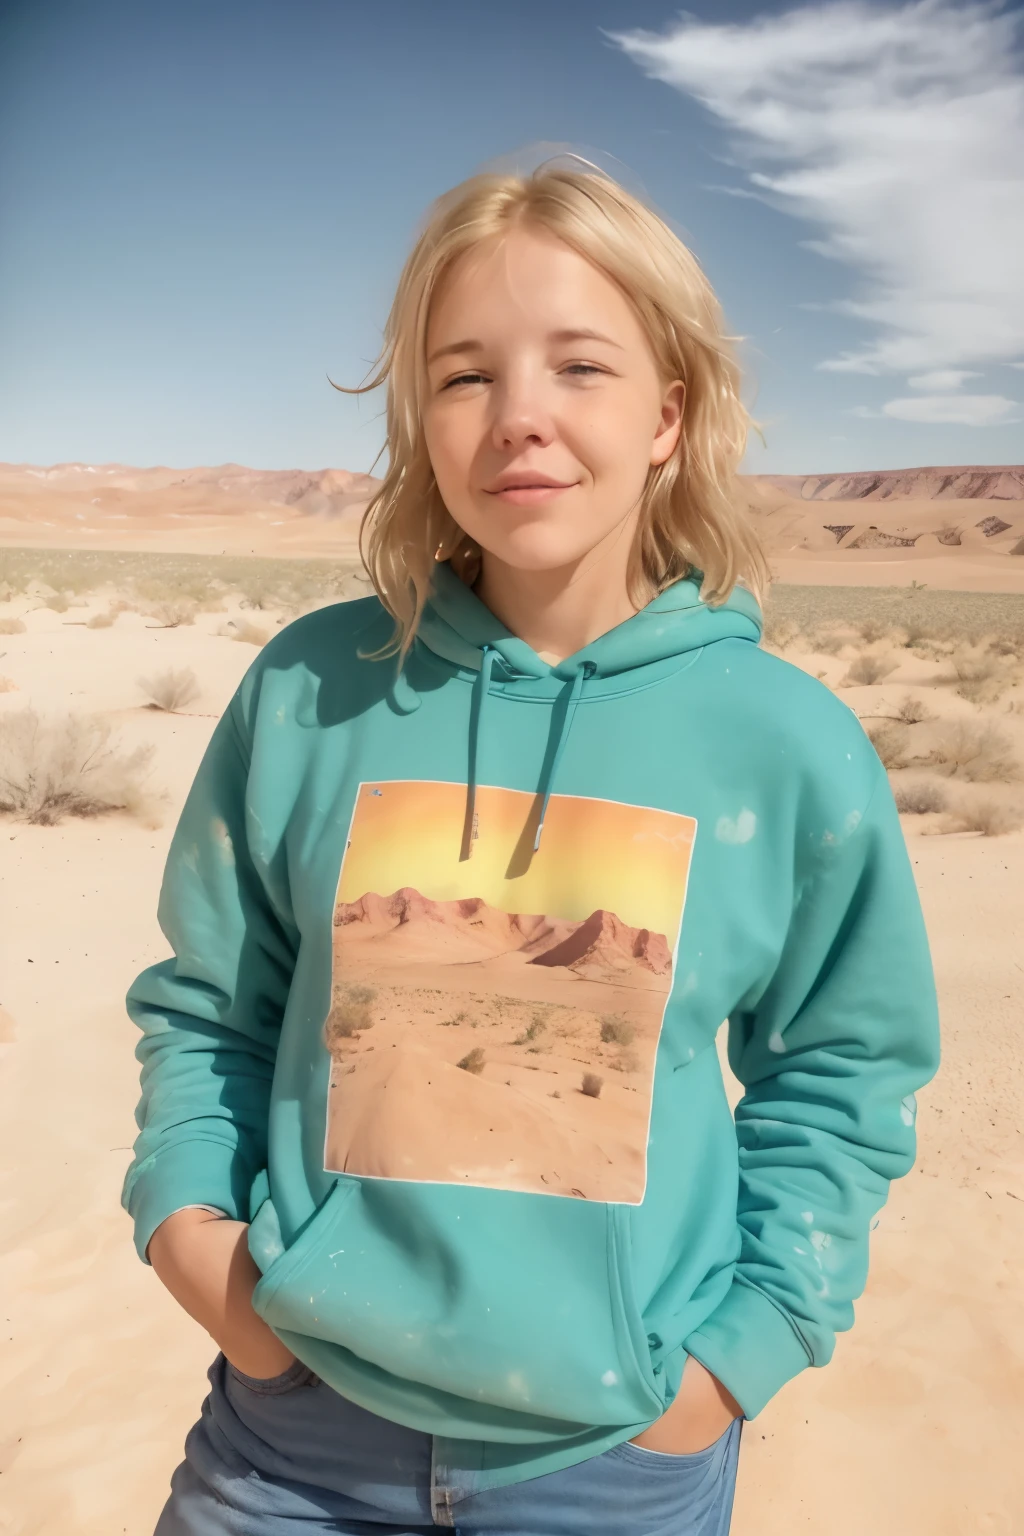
(963, 482)
(471, 928)
(603, 941)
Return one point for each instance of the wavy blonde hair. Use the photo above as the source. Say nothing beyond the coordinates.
(693, 517)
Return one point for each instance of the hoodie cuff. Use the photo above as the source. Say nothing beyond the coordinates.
(203, 1173)
(751, 1345)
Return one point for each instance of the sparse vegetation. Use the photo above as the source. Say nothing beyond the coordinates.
(8, 685)
(920, 799)
(892, 743)
(536, 1025)
(473, 1061)
(977, 751)
(988, 817)
(69, 767)
(982, 678)
(913, 711)
(60, 602)
(617, 1030)
(868, 668)
(462, 1017)
(626, 1061)
(172, 612)
(171, 690)
(592, 1084)
(12, 626)
(350, 1014)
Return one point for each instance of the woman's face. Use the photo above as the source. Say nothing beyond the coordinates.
(511, 393)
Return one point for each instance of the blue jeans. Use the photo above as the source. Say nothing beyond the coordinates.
(289, 1456)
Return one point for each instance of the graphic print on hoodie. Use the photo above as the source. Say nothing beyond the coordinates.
(495, 1019)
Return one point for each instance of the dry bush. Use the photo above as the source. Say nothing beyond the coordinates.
(831, 641)
(987, 817)
(868, 669)
(780, 633)
(532, 1030)
(172, 612)
(60, 602)
(977, 751)
(920, 799)
(592, 1084)
(12, 626)
(246, 631)
(8, 685)
(892, 743)
(350, 1014)
(68, 767)
(872, 630)
(627, 1061)
(473, 1061)
(171, 690)
(103, 620)
(982, 679)
(913, 711)
(616, 1030)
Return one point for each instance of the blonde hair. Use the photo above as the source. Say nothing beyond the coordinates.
(692, 516)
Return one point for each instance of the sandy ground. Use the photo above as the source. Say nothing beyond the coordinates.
(914, 1428)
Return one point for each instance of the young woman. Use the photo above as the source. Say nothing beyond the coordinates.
(433, 1135)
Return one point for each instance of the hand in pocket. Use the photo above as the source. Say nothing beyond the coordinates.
(205, 1263)
(699, 1414)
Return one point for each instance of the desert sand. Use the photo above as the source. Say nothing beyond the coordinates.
(911, 1431)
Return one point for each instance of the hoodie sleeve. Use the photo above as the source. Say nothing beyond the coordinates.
(210, 1016)
(830, 1056)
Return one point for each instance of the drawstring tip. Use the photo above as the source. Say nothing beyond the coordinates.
(536, 841)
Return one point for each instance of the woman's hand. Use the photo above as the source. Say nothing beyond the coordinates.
(698, 1415)
(205, 1263)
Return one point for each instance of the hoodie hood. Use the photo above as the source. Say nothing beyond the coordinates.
(457, 627)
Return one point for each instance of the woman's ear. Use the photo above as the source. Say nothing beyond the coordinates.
(670, 425)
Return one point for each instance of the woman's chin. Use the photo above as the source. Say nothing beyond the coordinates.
(537, 555)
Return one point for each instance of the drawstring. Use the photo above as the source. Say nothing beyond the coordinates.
(584, 670)
(480, 691)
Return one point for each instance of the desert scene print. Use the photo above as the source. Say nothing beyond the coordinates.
(494, 1020)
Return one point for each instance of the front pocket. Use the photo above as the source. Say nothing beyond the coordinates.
(518, 1307)
(289, 1380)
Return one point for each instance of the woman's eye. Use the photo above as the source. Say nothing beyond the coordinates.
(462, 377)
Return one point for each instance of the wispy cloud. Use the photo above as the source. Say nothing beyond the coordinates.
(942, 378)
(947, 410)
(897, 130)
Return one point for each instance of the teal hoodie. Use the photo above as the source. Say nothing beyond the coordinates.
(451, 948)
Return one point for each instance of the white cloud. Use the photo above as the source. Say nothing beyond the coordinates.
(899, 131)
(942, 379)
(954, 410)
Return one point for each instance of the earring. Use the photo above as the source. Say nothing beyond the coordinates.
(439, 554)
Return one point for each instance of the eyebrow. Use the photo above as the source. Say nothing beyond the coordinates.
(478, 346)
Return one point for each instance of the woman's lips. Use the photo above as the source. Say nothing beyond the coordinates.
(529, 495)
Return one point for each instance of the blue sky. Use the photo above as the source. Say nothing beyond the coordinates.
(205, 206)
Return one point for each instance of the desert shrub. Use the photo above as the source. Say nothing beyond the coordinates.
(830, 641)
(473, 1061)
(919, 799)
(532, 1030)
(981, 678)
(68, 767)
(626, 1061)
(60, 602)
(173, 612)
(246, 631)
(462, 1017)
(101, 620)
(616, 1030)
(913, 711)
(873, 629)
(357, 993)
(8, 685)
(974, 750)
(987, 817)
(868, 669)
(892, 743)
(780, 633)
(171, 690)
(12, 626)
(350, 1015)
(592, 1084)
